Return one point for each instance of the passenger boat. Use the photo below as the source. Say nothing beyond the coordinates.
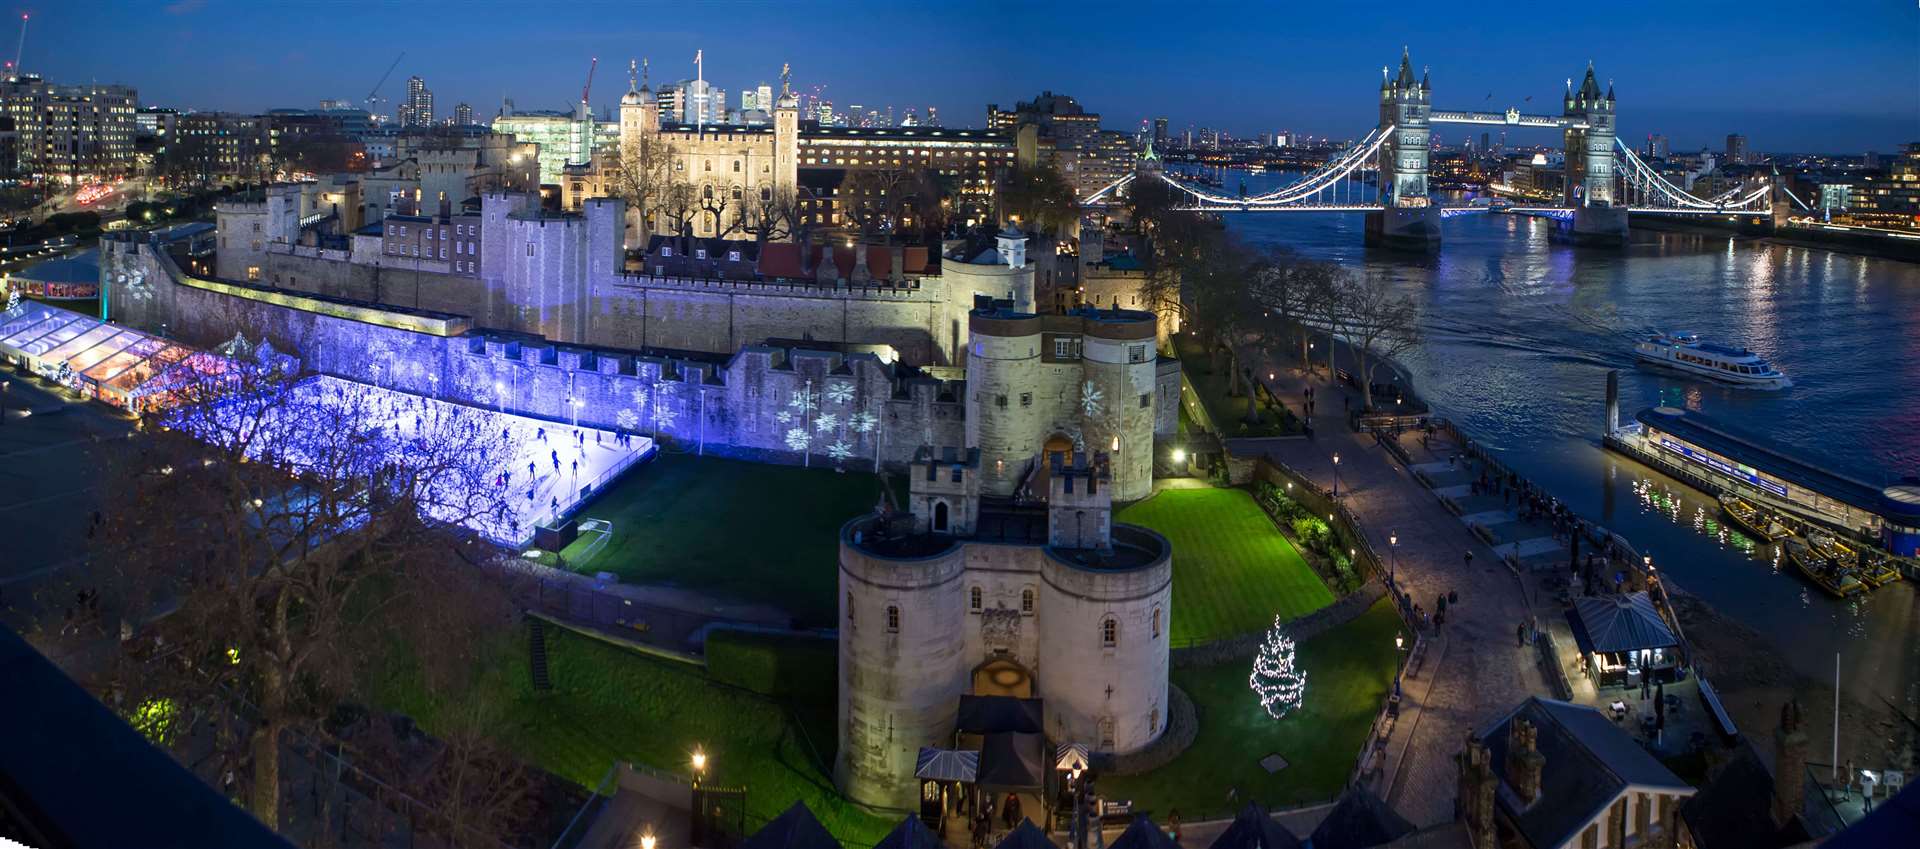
(1764, 526)
(1822, 571)
(1874, 568)
(1685, 353)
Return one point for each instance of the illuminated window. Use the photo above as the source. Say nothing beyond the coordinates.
(893, 619)
(973, 599)
(1026, 601)
(1109, 632)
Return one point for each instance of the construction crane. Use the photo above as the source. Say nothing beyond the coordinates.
(372, 99)
(588, 88)
(19, 51)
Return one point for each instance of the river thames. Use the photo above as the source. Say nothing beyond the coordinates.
(1520, 331)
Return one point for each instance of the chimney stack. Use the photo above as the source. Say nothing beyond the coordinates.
(1789, 765)
(1474, 799)
(1524, 761)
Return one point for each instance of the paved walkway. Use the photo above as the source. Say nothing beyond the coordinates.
(1475, 665)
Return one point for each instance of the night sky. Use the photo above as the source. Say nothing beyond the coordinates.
(1841, 76)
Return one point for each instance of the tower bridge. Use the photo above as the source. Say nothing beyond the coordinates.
(1605, 180)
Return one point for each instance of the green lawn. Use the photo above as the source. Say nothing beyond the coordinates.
(610, 704)
(1232, 569)
(1349, 671)
(1228, 413)
(755, 532)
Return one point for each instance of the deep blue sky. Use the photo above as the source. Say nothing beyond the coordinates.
(1837, 75)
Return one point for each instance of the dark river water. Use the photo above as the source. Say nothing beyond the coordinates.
(1520, 331)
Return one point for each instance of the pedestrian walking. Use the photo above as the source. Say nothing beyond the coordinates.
(1453, 597)
(1469, 560)
(1520, 634)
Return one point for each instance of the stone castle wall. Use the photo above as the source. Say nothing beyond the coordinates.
(782, 404)
(899, 686)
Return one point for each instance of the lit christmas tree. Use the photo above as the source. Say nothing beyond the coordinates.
(1279, 684)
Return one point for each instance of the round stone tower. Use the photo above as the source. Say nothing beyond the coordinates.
(1011, 395)
(1118, 355)
(902, 665)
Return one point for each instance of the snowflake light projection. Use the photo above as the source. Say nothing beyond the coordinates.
(1280, 685)
(627, 419)
(840, 392)
(826, 423)
(133, 278)
(1090, 399)
(783, 417)
(797, 439)
(840, 450)
(862, 422)
(802, 402)
(640, 397)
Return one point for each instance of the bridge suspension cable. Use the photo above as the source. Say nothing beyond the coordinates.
(1641, 179)
(1326, 177)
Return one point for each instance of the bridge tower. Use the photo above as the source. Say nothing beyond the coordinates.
(1407, 218)
(1598, 217)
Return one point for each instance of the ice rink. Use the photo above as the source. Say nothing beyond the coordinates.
(539, 466)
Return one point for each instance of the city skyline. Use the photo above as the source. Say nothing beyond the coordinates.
(1313, 77)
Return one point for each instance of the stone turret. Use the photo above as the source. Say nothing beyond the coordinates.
(1080, 503)
(945, 490)
(1474, 798)
(1524, 761)
(1590, 141)
(1789, 766)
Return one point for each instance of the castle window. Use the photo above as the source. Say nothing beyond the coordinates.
(1156, 623)
(1146, 400)
(1109, 632)
(1135, 353)
(850, 610)
(1106, 733)
(940, 518)
(736, 166)
(893, 619)
(1153, 721)
(529, 249)
(973, 599)
(1026, 601)
(1026, 399)
(1000, 401)
(709, 166)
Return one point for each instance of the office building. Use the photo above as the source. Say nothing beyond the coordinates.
(417, 109)
(71, 133)
(1736, 149)
(1159, 131)
(463, 115)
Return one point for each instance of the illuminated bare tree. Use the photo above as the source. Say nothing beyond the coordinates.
(1380, 324)
(263, 528)
(771, 216)
(641, 174)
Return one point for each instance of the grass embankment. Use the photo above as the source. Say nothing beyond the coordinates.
(755, 532)
(1349, 671)
(764, 716)
(1232, 569)
(1229, 413)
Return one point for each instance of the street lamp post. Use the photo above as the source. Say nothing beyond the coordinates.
(1393, 565)
(1336, 476)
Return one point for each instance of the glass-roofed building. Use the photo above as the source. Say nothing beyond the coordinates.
(110, 362)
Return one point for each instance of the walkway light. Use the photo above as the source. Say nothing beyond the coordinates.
(699, 762)
(1179, 455)
(1399, 641)
(646, 841)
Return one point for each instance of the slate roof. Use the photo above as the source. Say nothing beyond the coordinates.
(1011, 761)
(795, 829)
(1143, 834)
(1254, 828)
(1625, 623)
(911, 833)
(1735, 810)
(1589, 763)
(1361, 820)
(1026, 835)
(989, 714)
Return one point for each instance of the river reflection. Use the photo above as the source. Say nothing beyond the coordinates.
(1520, 331)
